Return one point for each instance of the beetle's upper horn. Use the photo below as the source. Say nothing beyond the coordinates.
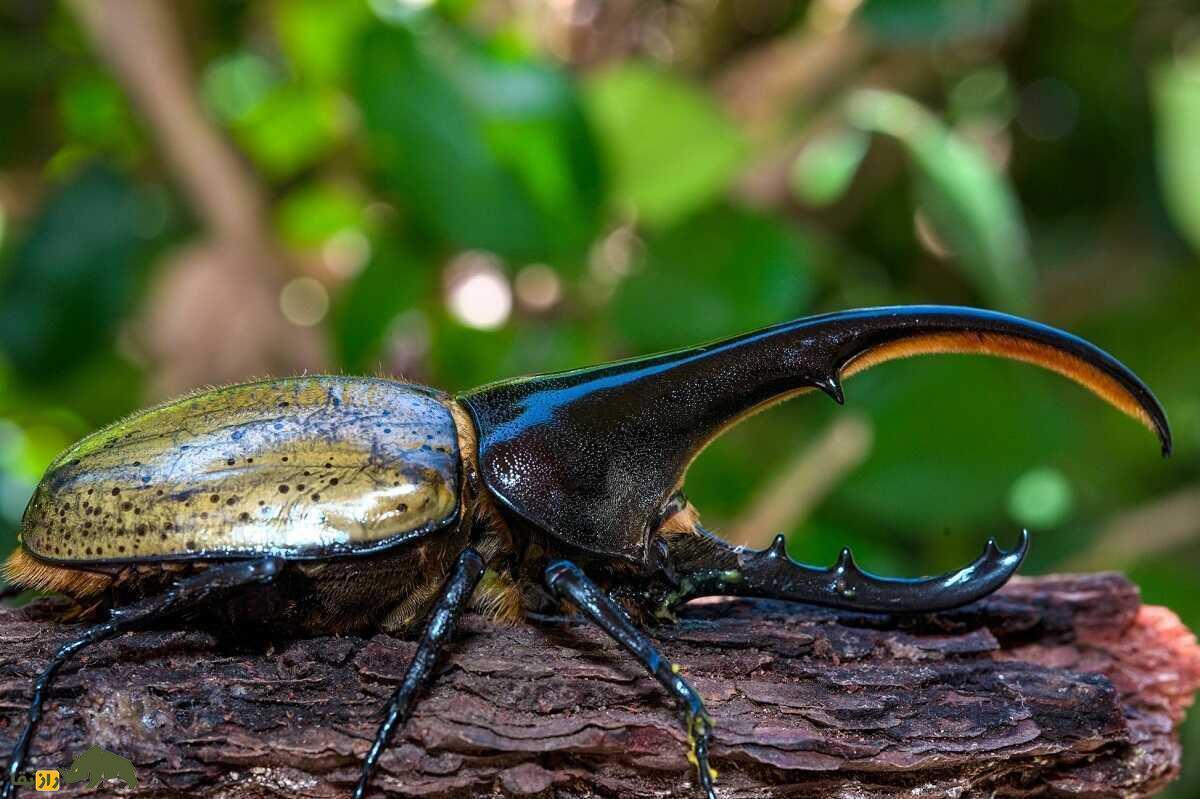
(591, 455)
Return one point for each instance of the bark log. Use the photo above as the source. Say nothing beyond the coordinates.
(1056, 686)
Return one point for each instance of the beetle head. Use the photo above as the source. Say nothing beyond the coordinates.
(595, 457)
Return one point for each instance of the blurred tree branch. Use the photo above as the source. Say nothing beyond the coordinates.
(800, 485)
(214, 316)
(1156, 527)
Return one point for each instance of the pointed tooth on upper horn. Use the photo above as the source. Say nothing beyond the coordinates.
(833, 387)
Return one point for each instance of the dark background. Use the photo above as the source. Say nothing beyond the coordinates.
(196, 193)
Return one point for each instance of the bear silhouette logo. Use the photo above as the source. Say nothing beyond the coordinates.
(97, 765)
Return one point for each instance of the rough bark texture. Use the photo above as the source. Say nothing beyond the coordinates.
(1058, 686)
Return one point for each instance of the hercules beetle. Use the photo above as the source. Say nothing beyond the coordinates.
(345, 503)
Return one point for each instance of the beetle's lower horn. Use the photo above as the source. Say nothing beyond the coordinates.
(773, 574)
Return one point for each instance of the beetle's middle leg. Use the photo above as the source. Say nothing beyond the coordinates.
(216, 581)
(454, 599)
(567, 581)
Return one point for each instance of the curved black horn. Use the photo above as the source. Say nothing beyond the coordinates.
(591, 456)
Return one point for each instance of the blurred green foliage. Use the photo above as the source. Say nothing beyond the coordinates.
(485, 189)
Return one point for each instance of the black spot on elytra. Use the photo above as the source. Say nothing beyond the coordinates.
(403, 508)
(300, 486)
(284, 404)
(333, 481)
(215, 498)
(231, 501)
(126, 505)
(230, 461)
(316, 497)
(284, 459)
(190, 544)
(204, 514)
(244, 516)
(283, 489)
(116, 491)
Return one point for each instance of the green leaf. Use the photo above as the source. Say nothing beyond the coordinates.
(233, 86)
(394, 281)
(95, 114)
(972, 206)
(670, 149)
(490, 152)
(318, 36)
(308, 216)
(74, 277)
(721, 272)
(292, 128)
(915, 22)
(824, 169)
(1176, 91)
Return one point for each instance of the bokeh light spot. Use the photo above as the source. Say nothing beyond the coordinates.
(477, 291)
(1040, 498)
(346, 252)
(234, 86)
(538, 287)
(304, 301)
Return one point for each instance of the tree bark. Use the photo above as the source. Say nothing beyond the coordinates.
(1056, 686)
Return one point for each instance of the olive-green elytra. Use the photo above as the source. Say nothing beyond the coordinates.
(302, 467)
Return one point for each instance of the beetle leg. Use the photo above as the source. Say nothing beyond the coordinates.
(567, 581)
(187, 593)
(455, 596)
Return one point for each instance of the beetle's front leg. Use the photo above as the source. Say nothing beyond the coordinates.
(567, 581)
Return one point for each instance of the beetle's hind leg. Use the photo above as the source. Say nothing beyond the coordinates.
(454, 599)
(187, 593)
(567, 581)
